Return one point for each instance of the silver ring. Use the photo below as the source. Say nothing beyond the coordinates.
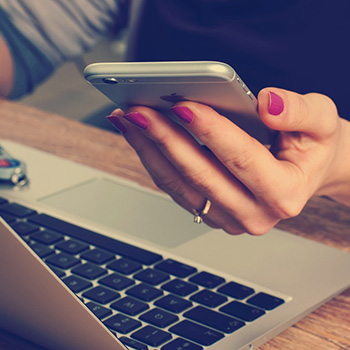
(199, 214)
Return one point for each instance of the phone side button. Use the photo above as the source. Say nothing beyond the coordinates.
(246, 89)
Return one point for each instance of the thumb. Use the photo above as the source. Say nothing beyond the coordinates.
(313, 114)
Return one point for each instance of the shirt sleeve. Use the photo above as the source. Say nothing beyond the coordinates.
(43, 35)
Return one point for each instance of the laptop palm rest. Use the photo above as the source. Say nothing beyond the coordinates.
(130, 210)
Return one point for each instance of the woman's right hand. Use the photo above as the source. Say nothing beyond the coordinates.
(250, 187)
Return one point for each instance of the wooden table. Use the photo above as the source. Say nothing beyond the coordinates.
(328, 328)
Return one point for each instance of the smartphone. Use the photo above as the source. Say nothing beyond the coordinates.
(161, 84)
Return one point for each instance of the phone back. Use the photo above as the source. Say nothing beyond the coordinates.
(161, 84)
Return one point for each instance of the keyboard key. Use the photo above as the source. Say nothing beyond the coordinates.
(3, 201)
(89, 271)
(208, 298)
(197, 333)
(265, 301)
(122, 324)
(176, 268)
(17, 210)
(130, 306)
(179, 287)
(76, 284)
(71, 247)
(58, 272)
(242, 311)
(159, 318)
(117, 282)
(144, 292)
(214, 319)
(151, 276)
(7, 217)
(40, 249)
(99, 311)
(133, 344)
(151, 336)
(173, 303)
(181, 344)
(62, 260)
(101, 295)
(112, 245)
(125, 266)
(207, 280)
(236, 290)
(97, 256)
(24, 228)
(46, 237)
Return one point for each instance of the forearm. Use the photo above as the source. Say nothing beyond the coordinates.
(23, 65)
(37, 38)
(6, 71)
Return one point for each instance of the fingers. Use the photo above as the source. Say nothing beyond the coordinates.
(233, 204)
(250, 188)
(247, 159)
(166, 176)
(306, 123)
(163, 173)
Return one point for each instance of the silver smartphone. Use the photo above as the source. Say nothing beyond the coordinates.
(160, 84)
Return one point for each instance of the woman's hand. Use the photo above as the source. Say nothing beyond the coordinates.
(251, 188)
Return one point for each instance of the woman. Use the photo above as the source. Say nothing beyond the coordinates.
(239, 185)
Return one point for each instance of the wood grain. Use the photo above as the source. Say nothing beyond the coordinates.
(322, 220)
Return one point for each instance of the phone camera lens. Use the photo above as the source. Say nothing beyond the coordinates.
(110, 80)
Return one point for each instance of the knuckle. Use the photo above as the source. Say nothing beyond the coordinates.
(327, 103)
(205, 134)
(162, 141)
(170, 186)
(256, 225)
(298, 106)
(241, 159)
(327, 112)
(286, 208)
(258, 228)
(202, 180)
(258, 221)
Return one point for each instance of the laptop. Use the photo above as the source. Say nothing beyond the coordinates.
(92, 261)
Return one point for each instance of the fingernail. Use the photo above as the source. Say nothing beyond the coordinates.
(117, 123)
(276, 105)
(184, 113)
(137, 119)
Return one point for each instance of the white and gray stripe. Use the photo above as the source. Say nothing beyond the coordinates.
(63, 29)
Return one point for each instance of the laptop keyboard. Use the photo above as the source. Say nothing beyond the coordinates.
(145, 299)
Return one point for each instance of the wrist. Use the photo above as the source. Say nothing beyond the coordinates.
(337, 184)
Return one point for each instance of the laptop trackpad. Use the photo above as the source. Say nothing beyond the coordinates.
(128, 209)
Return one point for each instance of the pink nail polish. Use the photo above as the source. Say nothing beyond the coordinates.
(183, 113)
(276, 105)
(137, 119)
(114, 120)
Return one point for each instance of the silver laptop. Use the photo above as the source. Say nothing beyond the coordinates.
(92, 261)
